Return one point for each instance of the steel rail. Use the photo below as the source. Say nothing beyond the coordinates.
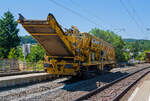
(100, 89)
(119, 96)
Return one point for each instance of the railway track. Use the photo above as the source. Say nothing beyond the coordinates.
(15, 94)
(116, 89)
(60, 89)
(73, 90)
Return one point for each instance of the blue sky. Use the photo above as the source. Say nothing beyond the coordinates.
(129, 21)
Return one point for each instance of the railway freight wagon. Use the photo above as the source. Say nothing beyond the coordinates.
(68, 51)
(148, 57)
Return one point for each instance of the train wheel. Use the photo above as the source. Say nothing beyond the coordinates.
(87, 75)
(99, 69)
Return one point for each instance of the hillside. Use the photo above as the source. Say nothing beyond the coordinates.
(144, 44)
(133, 40)
(27, 39)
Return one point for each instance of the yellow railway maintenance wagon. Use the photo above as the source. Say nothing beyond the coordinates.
(69, 51)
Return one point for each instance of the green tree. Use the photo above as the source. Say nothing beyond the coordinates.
(137, 47)
(14, 53)
(113, 39)
(8, 34)
(36, 54)
(142, 55)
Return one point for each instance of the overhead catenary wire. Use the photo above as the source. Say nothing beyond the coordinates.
(130, 15)
(92, 14)
(137, 15)
(135, 12)
(75, 12)
(86, 10)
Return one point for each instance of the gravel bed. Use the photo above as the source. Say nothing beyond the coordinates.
(27, 90)
(112, 91)
(59, 91)
(138, 84)
(72, 91)
(128, 68)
